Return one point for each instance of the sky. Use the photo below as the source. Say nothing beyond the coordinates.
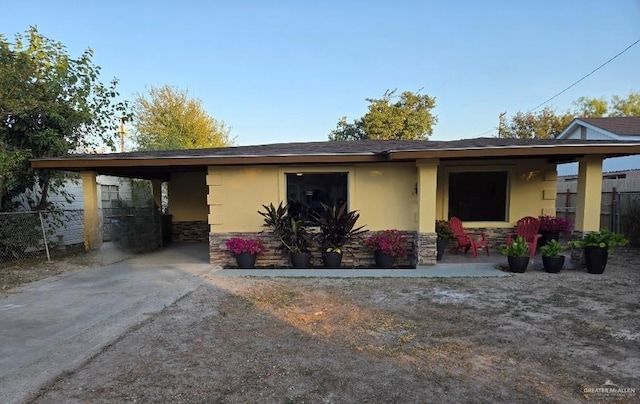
(283, 71)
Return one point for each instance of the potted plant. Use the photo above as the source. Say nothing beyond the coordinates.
(552, 258)
(386, 246)
(551, 227)
(292, 232)
(517, 254)
(444, 234)
(337, 227)
(245, 250)
(597, 246)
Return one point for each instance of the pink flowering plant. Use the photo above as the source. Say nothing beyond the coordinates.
(389, 242)
(239, 245)
(554, 223)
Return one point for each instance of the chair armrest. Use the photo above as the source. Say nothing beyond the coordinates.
(477, 233)
(509, 236)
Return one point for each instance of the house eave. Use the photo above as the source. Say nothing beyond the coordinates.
(606, 150)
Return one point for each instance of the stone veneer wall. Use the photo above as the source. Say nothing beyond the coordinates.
(190, 232)
(356, 255)
(426, 248)
(495, 236)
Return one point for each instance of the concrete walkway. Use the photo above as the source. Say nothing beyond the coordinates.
(435, 271)
(56, 324)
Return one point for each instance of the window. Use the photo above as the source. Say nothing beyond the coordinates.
(108, 194)
(478, 195)
(306, 192)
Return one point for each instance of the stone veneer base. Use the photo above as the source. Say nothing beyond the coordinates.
(356, 255)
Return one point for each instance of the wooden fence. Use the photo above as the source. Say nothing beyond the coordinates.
(618, 195)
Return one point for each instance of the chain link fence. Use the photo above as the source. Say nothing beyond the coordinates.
(38, 234)
(47, 234)
(136, 229)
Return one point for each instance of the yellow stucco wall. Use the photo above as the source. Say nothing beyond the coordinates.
(188, 196)
(237, 193)
(384, 194)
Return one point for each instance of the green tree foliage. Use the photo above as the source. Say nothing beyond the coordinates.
(547, 123)
(51, 104)
(406, 116)
(167, 119)
(543, 124)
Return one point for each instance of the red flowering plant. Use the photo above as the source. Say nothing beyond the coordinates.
(555, 224)
(239, 245)
(389, 242)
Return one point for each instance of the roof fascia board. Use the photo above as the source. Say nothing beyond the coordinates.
(518, 151)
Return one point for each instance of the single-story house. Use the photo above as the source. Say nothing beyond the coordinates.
(407, 185)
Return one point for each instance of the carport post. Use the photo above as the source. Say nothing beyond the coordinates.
(91, 231)
(157, 193)
(589, 194)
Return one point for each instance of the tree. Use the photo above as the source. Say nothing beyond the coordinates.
(50, 105)
(168, 119)
(547, 123)
(544, 124)
(409, 118)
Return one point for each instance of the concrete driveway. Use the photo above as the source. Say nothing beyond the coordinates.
(54, 325)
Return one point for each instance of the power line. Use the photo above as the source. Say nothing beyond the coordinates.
(574, 83)
(586, 75)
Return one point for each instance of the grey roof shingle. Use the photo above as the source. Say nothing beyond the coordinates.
(364, 147)
(622, 126)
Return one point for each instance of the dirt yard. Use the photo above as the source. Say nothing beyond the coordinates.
(531, 337)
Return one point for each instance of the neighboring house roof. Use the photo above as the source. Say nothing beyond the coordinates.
(158, 164)
(619, 128)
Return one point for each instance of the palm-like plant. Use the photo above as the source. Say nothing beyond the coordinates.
(291, 231)
(337, 227)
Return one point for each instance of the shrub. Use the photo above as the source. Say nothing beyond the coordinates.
(603, 239)
(239, 245)
(552, 249)
(390, 242)
(554, 223)
(443, 230)
(518, 248)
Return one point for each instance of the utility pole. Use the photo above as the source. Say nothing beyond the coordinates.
(122, 131)
(501, 123)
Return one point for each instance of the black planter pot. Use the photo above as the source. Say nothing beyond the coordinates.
(246, 260)
(595, 259)
(331, 259)
(546, 236)
(300, 260)
(518, 264)
(441, 243)
(383, 261)
(553, 264)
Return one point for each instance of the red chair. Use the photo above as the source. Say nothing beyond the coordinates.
(468, 240)
(527, 228)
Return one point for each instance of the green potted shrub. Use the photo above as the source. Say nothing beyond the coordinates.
(517, 254)
(597, 246)
(337, 226)
(552, 258)
(292, 231)
(444, 234)
(386, 246)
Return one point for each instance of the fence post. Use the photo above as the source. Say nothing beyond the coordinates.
(44, 236)
(614, 222)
